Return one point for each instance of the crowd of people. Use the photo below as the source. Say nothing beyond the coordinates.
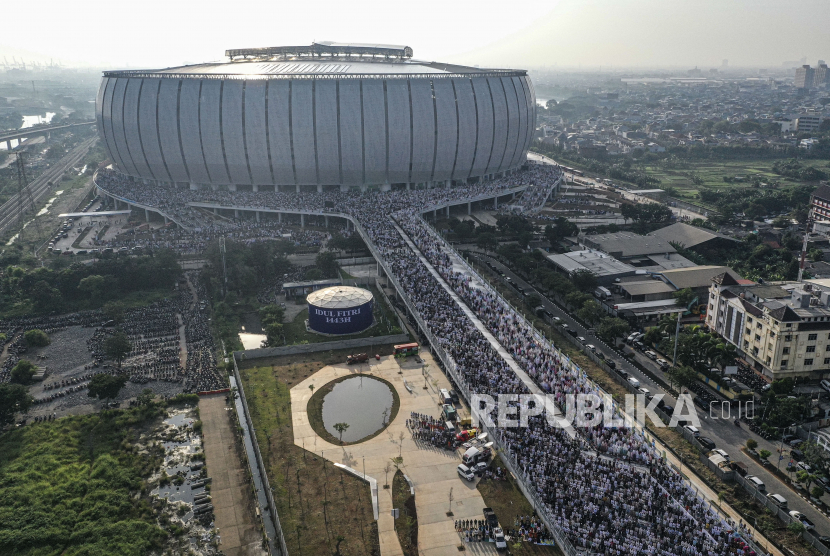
(606, 489)
(431, 430)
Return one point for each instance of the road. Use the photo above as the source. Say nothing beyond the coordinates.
(31, 132)
(721, 429)
(10, 210)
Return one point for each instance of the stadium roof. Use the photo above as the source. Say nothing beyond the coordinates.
(336, 60)
(339, 297)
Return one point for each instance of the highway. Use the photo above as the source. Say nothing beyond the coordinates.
(29, 131)
(720, 429)
(9, 211)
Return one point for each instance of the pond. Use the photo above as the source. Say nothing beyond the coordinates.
(360, 402)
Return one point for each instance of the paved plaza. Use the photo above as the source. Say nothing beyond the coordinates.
(432, 471)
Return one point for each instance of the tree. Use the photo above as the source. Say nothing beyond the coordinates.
(653, 336)
(764, 454)
(13, 399)
(146, 397)
(327, 264)
(114, 311)
(487, 241)
(93, 286)
(341, 428)
(611, 328)
(561, 228)
(524, 238)
(684, 297)
(590, 312)
(682, 376)
(23, 372)
(584, 280)
(36, 338)
(106, 387)
(817, 492)
(387, 468)
(628, 211)
(751, 443)
(796, 528)
(117, 347)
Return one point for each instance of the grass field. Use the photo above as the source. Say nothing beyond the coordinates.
(78, 486)
(317, 503)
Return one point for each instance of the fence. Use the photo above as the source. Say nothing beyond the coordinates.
(263, 475)
(780, 513)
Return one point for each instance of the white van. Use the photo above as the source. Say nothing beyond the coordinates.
(757, 483)
(778, 500)
(694, 430)
(445, 396)
(634, 382)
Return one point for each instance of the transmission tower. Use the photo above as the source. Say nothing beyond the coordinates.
(25, 201)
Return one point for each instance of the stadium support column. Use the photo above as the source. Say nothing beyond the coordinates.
(9, 145)
(298, 188)
(279, 217)
(496, 202)
(146, 215)
(257, 216)
(255, 188)
(166, 221)
(448, 211)
(327, 220)
(236, 213)
(215, 210)
(469, 208)
(319, 188)
(302, 221)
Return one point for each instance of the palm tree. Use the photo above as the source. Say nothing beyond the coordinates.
(341, 428)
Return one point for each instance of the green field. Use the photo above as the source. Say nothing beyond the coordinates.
(79, 486)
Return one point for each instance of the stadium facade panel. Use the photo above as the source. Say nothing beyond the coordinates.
(305, 121)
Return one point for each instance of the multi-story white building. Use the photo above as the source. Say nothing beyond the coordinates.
(780, 329)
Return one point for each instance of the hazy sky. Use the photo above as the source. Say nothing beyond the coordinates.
(529, 33)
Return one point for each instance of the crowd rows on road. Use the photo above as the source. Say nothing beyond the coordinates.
(607, 489)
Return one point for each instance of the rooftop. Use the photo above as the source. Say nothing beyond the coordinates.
(646, 287)
(626, 244)
(686, 235)
(596, 262)
(696, 276)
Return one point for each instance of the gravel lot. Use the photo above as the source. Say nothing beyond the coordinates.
(65, 358)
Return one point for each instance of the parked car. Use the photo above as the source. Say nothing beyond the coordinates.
(647, 393)
(572, 332)
(465, 435)
(611, 364)
(663, 363)
(694, 430)
(581, 339)
(651, 355)
(454, 396)
(465, 472)
(634, 382)
(592, 347)
(778, 500)
(721, 453)
(798, 516)
(706, 442)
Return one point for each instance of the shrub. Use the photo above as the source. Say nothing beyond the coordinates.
(23, 372)
(36, 338)
(764, 454)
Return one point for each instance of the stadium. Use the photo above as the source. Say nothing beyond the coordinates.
(316, 118)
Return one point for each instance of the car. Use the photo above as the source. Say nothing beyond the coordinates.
(498, 536)
(611, 364)
(662, 362)
(581, 339)
(651, 355)
(800, 517)
(707, 443)
(634, 382)
(797, 455)
(556, 319)
(639, 345)
(476, 455)
(804, 466)
(592, 347)
(631, 337)
(572, 332)
(795, 443)
(465, 472)
(694, 430)
(667, 409)
(647, 393)
(825, 540)
(465, 435)
(454, 396)
(721, 453)
(564, 326)
(787, 438)
(479, 468)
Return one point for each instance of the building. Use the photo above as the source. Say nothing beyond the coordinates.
(806, 123)
(821, 77)
(607, 269)
(804, 77)
(629, 247)
(316, 117)
(693, 237)
(340, 310)
(696, 278)
(820, 203)
(780, 330)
